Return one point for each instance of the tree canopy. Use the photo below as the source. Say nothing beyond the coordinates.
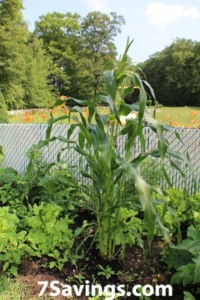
(174, 73)
(67, 54)
(80, 49)
(17, 56)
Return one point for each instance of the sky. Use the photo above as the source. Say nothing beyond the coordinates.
(153, 25)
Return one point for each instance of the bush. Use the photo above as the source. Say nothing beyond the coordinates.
(3, 110)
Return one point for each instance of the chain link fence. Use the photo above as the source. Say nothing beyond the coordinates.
(16, 140)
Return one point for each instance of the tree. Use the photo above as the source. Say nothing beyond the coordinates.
(80, 50)
(23, 63)
(60, 35)
(97, 51)
(3, 111)
(10, 11)
(37, 88)
(174, 73)
(13, 35)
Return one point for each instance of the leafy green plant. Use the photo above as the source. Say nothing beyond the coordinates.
(175, 211)
(80, 278)
(12, 246)
(13, 191)
(49, 234)
(185, 259)
(181, 209)
(189, 272)
(194, 211)
(106, 272)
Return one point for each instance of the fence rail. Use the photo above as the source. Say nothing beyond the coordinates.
(16, 139)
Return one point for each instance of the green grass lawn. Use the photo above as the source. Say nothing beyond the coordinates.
(175, 116)
(179, 116)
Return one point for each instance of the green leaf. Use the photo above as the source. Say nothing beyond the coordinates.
(53, 121)
(91, 109)
(144, 191)
(167, 178)
(184, 274)
(13, 270)
(81, 139)
(188, 296)
(176, 165)
(6, 265)
(110, 81)
(79, 110)
(78, 101)
(101, 121)
(197, 269)
(52, 264)
(59, 102)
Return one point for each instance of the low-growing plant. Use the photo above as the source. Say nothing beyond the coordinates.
(13, 191)
(175, 211)
(79, 278)
(185, 259)
(189, 272)
(12, 289)
(13, 242)
(194, 211)
(49, 234)
(182, 210)
(107, 271)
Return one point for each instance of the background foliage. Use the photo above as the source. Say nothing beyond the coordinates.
(66, 55)
(174, 74)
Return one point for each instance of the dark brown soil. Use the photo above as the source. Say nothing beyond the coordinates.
(135, 268)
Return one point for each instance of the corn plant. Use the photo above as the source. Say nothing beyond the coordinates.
(107, 169)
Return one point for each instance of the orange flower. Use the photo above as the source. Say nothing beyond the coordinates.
(43, 116)
(86, 113)
(174, 124)
(63, 97)
(66, 111)
(28, 119)
(193, 113)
